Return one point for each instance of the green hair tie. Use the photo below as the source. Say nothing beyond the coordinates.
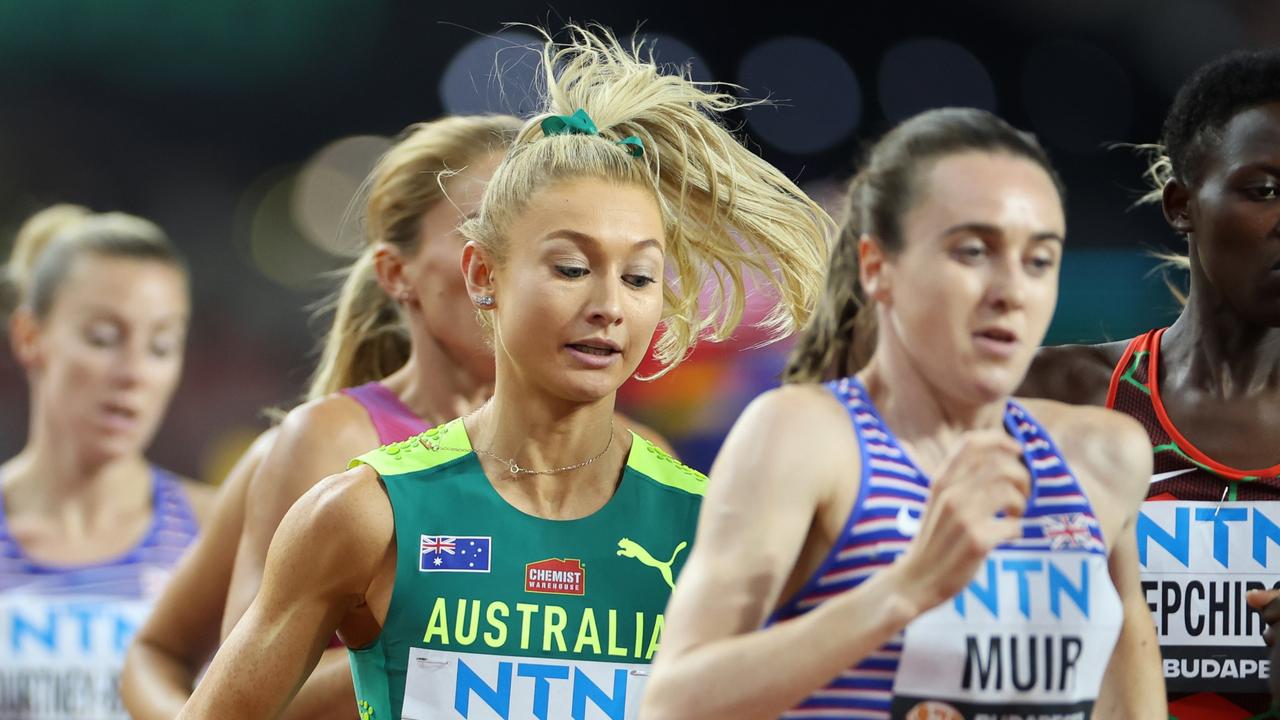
(580, 123)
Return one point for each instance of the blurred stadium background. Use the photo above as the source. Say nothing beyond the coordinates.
(244, 127)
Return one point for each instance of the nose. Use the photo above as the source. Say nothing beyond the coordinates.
(605, 306)
(128, 369)
(1007, 289)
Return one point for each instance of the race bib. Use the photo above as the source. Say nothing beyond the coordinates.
(1198, 560)
(1030, 637)
(61, 657)
(442, 684)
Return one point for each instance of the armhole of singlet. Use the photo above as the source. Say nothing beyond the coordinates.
(168, 500)
(176, 488)
(396, 409)
(356, 394)
(1043, 432)
(864, 483)
(376, 643)
(372, 397)
(1121, 366)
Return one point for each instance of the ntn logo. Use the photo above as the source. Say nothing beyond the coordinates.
(551, 684)
(69, 628)
(1025, 577)
(1172, 528)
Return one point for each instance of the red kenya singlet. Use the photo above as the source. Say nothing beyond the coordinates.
(1207, 534)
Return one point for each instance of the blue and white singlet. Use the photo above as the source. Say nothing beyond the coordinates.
(64, 630)
(1031, 635)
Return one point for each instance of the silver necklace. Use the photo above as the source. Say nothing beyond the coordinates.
(515, 468)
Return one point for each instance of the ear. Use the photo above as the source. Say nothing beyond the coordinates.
(478, 269)
(24, 338)
(393, 277)
(874, 271)
(1175, 199)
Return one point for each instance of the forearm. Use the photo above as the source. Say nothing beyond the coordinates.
(328, 694)
(166, 656)
(260, 667)
(763, 673)
(155, 684)
(243, 585)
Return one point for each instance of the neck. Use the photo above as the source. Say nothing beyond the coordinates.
(922, 414)
(52, 480)
(540, 432)
(1215, 350)
(436, 387)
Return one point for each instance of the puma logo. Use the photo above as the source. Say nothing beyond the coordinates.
(631, 549)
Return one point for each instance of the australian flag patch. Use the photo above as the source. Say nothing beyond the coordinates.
(454, 553)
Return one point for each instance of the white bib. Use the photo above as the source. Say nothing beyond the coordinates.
(476, 686)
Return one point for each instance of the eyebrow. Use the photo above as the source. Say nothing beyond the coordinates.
(1264, 166)
(985, 229)
(96, 312)
(581, 238)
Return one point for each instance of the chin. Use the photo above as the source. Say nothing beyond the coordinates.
(105, 449)
(588, 394)
(988, 386)
(579, 387)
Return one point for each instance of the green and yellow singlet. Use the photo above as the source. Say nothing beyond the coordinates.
(500, 614)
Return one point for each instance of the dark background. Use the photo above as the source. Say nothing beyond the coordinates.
(211, 118)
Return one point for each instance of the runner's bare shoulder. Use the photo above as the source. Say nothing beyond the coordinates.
(1075, 374)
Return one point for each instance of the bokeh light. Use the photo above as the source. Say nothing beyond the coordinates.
(493, 74)
(669, 50)
(272, 243)
(325, 205)
(923, 73)
(814, 108)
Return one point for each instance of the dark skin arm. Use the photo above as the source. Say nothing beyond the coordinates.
(1074, 374)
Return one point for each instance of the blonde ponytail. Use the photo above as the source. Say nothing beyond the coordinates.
(726, 212)
(368, 340)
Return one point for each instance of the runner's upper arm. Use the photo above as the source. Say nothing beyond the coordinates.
(329, 549)
(315, 440)
(779, 463)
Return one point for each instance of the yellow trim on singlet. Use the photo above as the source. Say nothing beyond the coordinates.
(447, 442)
(651, 461)
(423, 451)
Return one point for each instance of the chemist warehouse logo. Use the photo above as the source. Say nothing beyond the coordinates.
(555, 577)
